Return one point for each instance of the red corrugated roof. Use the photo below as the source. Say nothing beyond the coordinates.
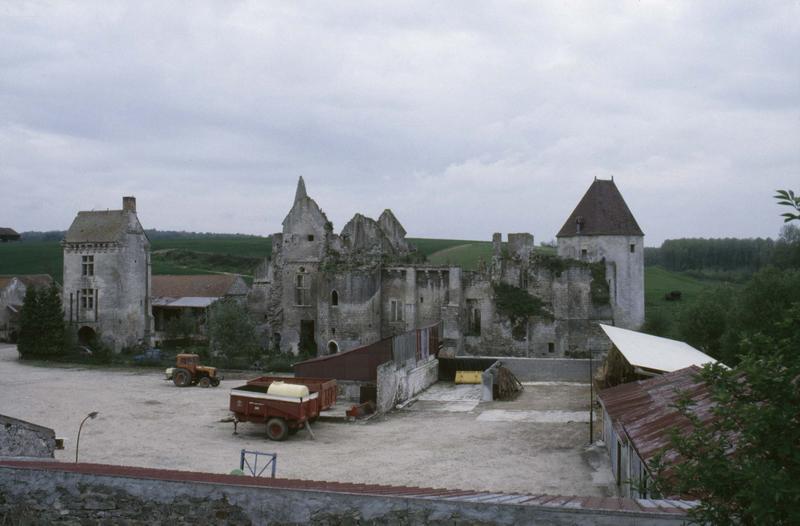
(645, 412)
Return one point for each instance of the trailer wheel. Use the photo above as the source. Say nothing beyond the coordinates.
(181, 378)
(214, 382)
(204, 382)
(277, 429)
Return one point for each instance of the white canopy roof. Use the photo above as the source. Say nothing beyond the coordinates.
(654, 352)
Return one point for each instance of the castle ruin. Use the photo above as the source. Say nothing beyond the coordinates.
(323, 292)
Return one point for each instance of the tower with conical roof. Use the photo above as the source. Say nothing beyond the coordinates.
(602, 228)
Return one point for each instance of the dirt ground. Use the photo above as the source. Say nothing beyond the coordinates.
(535, 444)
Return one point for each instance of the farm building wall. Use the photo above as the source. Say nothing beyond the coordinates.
(51, 492)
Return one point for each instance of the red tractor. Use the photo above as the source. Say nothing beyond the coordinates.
(188, 371)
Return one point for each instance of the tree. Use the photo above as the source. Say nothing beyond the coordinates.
(703, 323)
(181, 326)
(42, 329)
(744, 462)
(230, 331)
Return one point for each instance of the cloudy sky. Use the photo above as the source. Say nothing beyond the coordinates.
(465, 118)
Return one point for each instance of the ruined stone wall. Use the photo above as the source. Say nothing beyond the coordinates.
(567, 327)
(355, 321)
(19, 438)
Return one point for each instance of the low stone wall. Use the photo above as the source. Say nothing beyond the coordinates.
(398, 384)
(543, 369)
(53, 493)
(19, 438)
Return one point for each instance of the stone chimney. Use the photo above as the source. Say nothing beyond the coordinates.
(129, 204)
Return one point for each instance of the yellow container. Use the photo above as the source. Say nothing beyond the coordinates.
(284, 389)
(468, 377)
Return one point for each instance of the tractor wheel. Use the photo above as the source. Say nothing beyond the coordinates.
(214, 382)
(204, 382)
(277, 429)
(181, 378)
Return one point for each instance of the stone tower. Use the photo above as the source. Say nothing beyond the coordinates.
(107, 282)
(602, 227)
(297, 254)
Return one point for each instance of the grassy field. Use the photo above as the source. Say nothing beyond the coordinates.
(658, 282)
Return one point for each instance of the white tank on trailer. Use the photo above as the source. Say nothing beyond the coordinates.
(284, 389)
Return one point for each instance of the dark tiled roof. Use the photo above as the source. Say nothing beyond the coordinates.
(601, 212)
(97, 227)
(644, 410)
(8, 232)
(195, 286)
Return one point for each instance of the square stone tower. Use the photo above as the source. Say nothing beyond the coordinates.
(602, 228)
(106, 289)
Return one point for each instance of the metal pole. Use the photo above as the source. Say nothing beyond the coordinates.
(591, 397)
(78, 440)
(241, 460)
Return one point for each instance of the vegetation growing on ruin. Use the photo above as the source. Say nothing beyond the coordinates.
(516, 303)
(553, 263)
(599, 286)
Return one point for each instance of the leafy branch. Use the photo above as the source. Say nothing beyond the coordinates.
(787, 198)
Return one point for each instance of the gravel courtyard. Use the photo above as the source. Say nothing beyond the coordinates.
(535, 444)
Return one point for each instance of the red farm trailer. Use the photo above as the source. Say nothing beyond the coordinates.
(260, 401)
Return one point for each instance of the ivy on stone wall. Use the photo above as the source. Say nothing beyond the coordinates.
(516, 303)
(599, 287)
(554, 264)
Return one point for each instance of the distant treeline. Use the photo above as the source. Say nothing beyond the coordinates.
(728, 254)
(152, 234)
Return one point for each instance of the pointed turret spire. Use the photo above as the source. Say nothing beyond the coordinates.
(301, 190)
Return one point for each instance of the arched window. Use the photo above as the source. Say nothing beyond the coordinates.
(333, 347)
(334, 297)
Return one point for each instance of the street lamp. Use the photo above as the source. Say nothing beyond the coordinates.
(78, 441)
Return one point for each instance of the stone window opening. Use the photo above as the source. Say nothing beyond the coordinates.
(87, 299)
(333, 331)
(421, 299)
(334, 298)
(523, 279)
(584, 253)
(333, 347)
(301, 289)
(311, 237)
(87, 265)
(473, 318)
(551, 347)
(396, 310)
(633, 248)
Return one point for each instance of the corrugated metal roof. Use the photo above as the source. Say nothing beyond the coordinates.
(192, 302)
(654, 352)
(645, 412)
(601, 211)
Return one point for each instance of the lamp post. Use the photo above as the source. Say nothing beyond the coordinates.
(78, 441)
